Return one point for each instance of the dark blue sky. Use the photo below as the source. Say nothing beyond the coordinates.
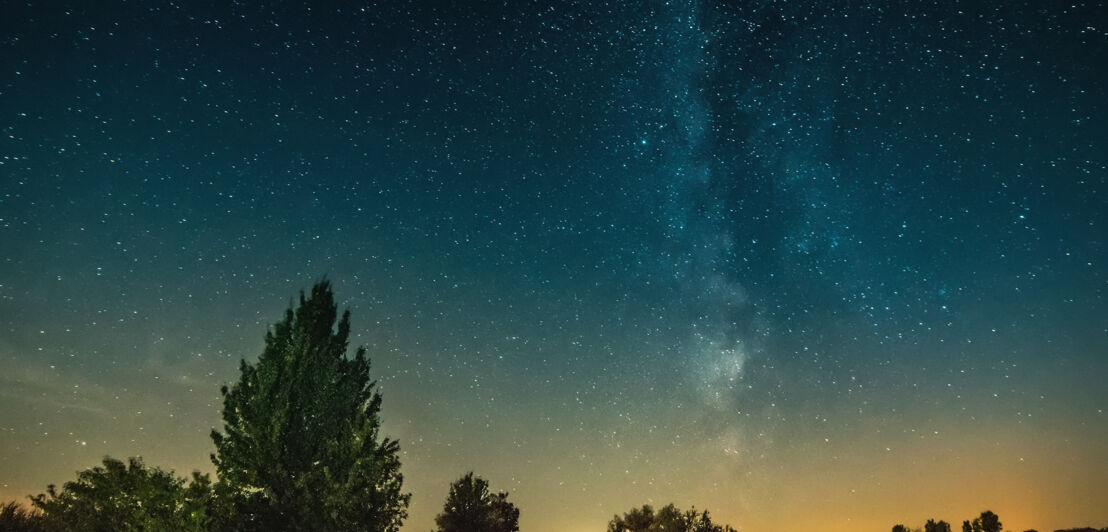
(687, 248)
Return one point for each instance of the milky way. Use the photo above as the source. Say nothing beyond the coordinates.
(804, 266)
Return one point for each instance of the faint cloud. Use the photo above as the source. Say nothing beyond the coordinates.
(46, 387)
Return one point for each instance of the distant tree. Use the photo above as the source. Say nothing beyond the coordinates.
(701, 522)
(900, 528)
(940, 526)
(990, 522)
(637, 520)
(967, 527)
(669, 518)
(15, 517)
(126, 497)
(505, 515)
(300, 448)
(470, 507)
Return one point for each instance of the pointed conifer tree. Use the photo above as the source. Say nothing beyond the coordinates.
(300, 448)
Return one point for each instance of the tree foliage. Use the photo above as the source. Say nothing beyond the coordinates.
(300, 448)
(669, 518)
(932, 526)
(119, 496)
(17, 518)
(470, 507)
(987, 522)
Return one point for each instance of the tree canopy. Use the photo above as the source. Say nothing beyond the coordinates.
(668, 518)
(470, 507)
(932, 526)
(125, 496)
(989, 522)
(986, 522)
(301, 447)
(17, 518)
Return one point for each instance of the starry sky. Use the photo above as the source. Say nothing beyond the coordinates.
(809, 266)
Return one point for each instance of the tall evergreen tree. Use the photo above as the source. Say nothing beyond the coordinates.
(300, 448)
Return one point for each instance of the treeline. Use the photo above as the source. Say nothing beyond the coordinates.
(300, 449)
(667, 518)
(986, 522)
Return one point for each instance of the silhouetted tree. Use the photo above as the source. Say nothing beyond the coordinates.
(990, 522)
(300, 448)
(636, 520)
(967, 527)
(669, 518)
(900, 528)
(17, 518)
(470, 507)
(695, 522)
(126, 497)
(504, 515)
(932, 526)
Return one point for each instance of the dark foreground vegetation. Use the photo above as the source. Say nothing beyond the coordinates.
(668, 517)
(986, 522)
(301, 450)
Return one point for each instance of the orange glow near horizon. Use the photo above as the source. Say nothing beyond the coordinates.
(1031, 478)
(826, 266)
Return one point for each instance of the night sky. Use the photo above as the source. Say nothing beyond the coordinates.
(809, 267)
